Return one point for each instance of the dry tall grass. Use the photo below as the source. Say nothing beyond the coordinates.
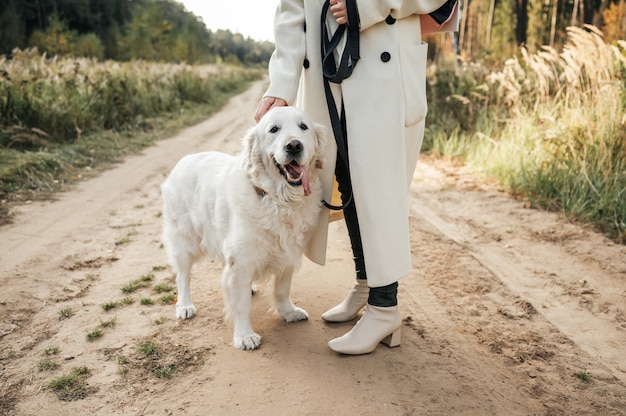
(58, 115)
(551, 126)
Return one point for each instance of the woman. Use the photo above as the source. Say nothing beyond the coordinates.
(384, 106)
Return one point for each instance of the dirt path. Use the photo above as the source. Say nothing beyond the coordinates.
(504, 306)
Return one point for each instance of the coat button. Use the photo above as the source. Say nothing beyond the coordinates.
(390, 20)
(306, 63)
(385, 56)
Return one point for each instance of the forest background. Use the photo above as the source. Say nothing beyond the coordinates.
(528, 93)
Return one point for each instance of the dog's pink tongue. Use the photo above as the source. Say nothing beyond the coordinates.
(305, 182)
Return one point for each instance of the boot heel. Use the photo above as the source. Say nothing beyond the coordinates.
(393, 339)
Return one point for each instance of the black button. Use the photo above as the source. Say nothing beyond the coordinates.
(390, 20)
(304, 27)
(306, 63)
(385, 56)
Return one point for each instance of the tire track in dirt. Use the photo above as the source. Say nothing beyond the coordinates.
(542, 273)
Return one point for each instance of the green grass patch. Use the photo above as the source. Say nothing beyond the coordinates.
(146, 301)
(51, 350)
(65, 313)
(163, 287)
(149, 348)
(110, 323)
(47, 365)
(72, 386)
(583, 376)
(110, 305)
(95, 335)
(168, 299)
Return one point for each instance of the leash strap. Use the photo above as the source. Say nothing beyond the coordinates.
(336, 74)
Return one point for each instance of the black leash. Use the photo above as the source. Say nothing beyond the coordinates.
(336, 74)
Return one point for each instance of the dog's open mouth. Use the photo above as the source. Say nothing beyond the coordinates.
(296, 175)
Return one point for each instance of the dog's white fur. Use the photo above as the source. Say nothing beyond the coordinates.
(242, 211)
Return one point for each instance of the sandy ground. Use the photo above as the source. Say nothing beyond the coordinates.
(504, 306)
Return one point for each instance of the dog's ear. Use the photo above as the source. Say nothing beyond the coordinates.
(321, 135)
(250, 148)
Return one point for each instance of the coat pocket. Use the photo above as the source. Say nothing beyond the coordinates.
(413, 68)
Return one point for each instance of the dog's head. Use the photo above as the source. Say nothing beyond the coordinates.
(284, 149)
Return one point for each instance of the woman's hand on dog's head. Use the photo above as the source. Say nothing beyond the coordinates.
(266, 104)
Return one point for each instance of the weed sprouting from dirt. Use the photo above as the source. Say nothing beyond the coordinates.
(51, 350)
(95, 334)
(168, 299)
(583, 375)
(108, 323)
(47, 365)
(143, 281)
(160, 359)
(110, 305)
(146, 301)
(72, 386)
(65, 313)
(163, 287)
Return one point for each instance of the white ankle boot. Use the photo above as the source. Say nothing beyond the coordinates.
(351, 305)
(377, 325)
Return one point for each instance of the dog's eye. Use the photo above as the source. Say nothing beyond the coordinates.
(304, 126)
(273, 129)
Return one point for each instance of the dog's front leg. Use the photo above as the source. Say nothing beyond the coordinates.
(184, 307)
(236, 285)
(284, 305)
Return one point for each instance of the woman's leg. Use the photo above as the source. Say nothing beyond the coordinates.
(358, 295)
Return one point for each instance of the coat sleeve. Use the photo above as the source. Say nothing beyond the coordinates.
(285, 64)
(375, 11)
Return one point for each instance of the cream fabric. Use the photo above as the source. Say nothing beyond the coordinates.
(385, 102)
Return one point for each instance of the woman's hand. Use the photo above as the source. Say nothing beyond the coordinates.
(266, 104)
(338, 9)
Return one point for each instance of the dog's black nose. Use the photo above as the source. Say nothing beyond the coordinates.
(294, 147)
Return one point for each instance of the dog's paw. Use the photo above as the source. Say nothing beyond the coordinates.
(185, 311)
(296, 314)
(248, 342)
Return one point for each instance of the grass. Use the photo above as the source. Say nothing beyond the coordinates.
(146, 301)
(548, 127)
(163, 287)
(110, 323)
(143, 281)
(583, 375)
(47, 365)
(168, 299)
(110, 305)
(51, 350)
(163, 360)
(149, 348)
(63, 120)
(72, 386)
(65, 313)
(95, 334)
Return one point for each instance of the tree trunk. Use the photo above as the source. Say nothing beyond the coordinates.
(521, 26)
(492, 5)
(574, 21)
(554, 19)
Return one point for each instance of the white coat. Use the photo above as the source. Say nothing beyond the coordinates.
(385, 107)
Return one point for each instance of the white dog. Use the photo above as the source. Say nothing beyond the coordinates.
(253, 212)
